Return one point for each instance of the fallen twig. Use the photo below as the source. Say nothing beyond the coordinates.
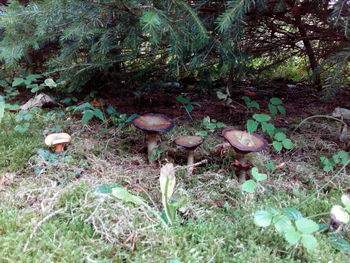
(188, 166)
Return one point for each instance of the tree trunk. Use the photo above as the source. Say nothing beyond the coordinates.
(310, 53)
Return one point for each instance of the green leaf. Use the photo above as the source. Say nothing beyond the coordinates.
(272, 109)
(292, 236)
(306, 226)
(246, 100)
(99, 114)
(282, 110)
(292, 213)
(262, 218)
(270, 166)
(269, 128)
(183, 100)
(22, 128)
(339, 243)
(189, 107)
(88, 115)
(309, 242)
(123, 194)
(328, 168)
(288, 144)
(249, 186)
(280, 136)
(277, 145)
(17, 82)
(253, 104)
(131, 117)
(220, 125)
(282, 223)
(276, 101)
(258, 176)
(261, 117)
(211, 126)
(252, 126)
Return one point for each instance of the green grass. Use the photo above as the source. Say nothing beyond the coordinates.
(215, 226)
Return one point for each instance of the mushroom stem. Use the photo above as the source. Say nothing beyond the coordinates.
(190, 161)
(241, 173)
(59, 147)
(151, 145)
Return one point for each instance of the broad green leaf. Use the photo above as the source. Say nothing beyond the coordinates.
(323, 228)
(17, 82)
(246, 99)
(22, 128)
(306, 226)
(252, 126)
(88, 115)
(258, 176)
(261, 117)
(262, 218)
(273, 211)
(269, 128)
(292, 213)
(280, 136)
(309, 242)
(292, 236)
(276, 101)
(167, 180)
(249, 186)
(123, 194)
(288, 144)
(211, 126)
(282, 223)
(339, 243)
(328, 168)
(131, 117)
(99, 114)
(272, 109)
(202, 133)
(220, 125)
(189, 107)
(277, 145)
(282, 110)
(253, 104)
(270, 166)
(182, 99)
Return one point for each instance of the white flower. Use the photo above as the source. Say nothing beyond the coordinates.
(346, 201)
(339, 215)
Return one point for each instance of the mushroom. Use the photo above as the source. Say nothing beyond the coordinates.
(190, 143)
(58, 139)
(152, 124)
(243, 143)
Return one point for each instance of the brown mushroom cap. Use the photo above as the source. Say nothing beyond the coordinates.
(189, 142)
(153, 122)
(57, 138)
(244, 142)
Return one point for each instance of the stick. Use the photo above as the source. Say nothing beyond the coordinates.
(36, 227)
(193, 165)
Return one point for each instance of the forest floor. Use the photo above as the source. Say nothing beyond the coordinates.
(52, 208)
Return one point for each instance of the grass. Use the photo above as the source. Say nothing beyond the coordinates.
(216, 225)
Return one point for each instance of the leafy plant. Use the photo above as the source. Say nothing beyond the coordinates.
(167, 183)
(275, 106)
(119, 119)
(209, 125)
(250, 103)
(89, 112)
(225, 96)
(250, 185)
(30, 82)
(279, 138)
(187, 104)
(22, 118)
(342, 157)
(290, 224)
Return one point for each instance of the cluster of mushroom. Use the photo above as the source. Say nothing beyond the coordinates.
(152, 124)
(242, 142)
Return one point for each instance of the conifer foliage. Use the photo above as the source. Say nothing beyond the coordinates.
(99, 41)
